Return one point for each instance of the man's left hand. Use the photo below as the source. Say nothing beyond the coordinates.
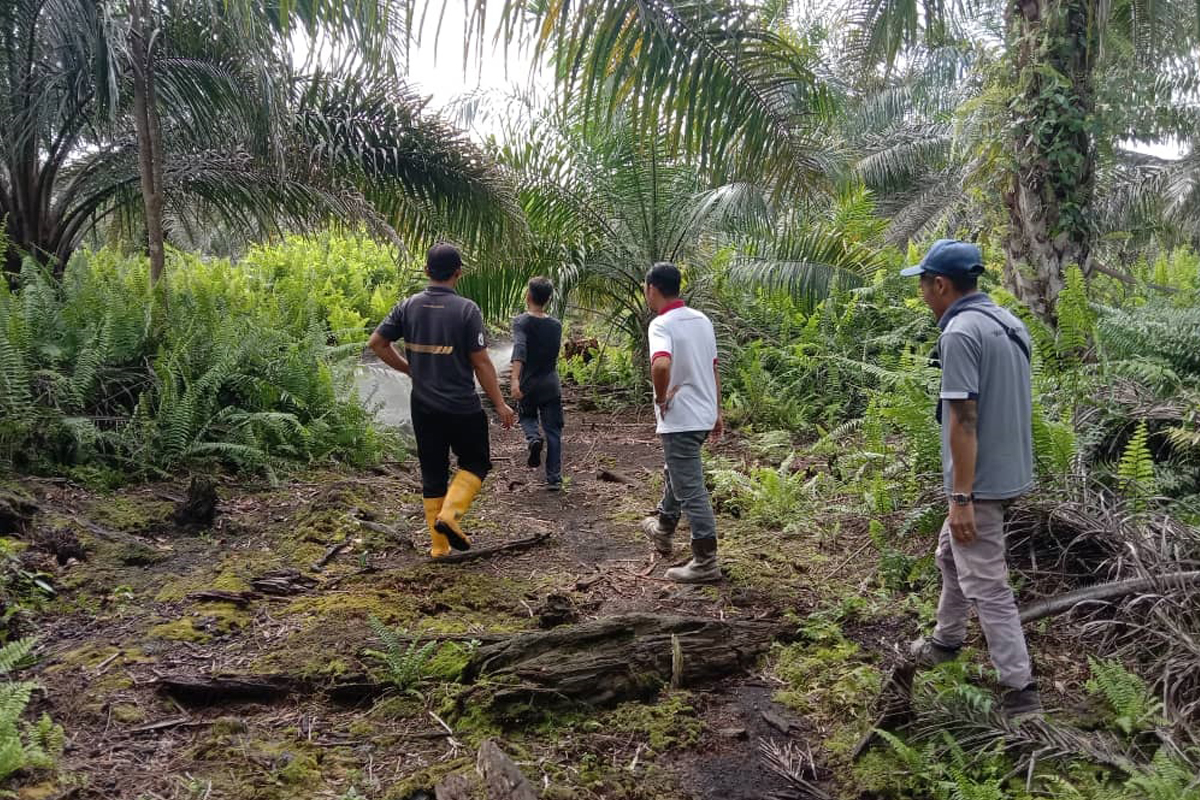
(962, 523)
(718, 429)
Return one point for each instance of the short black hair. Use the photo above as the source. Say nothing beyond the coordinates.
(442, 261)
(962, 282)
(665, 277)
(540, 290)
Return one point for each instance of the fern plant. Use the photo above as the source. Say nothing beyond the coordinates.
(404, 664)
(1132, 707)
(1136, 468)
(42, 741)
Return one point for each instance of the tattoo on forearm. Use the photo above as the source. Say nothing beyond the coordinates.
(967, 414)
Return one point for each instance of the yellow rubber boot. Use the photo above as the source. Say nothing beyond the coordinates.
(440, 544)
(462, 491)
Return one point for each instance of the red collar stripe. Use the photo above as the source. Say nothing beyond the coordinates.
(671, 306)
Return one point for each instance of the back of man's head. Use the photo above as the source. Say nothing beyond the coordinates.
(442, 261)
(540, 290)
(665, 277)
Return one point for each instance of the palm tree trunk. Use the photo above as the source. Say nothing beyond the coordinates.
(149, 135)
(1052, 147)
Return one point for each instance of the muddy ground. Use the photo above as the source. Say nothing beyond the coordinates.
(126, 616)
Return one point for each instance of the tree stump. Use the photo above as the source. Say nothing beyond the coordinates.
(625, 657)
(200, 508)
(16, 511)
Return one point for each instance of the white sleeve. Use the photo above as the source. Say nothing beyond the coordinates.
(660, 341)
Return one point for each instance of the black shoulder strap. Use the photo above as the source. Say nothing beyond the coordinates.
(1010, 331)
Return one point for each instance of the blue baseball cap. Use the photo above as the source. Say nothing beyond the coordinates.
(948, 257)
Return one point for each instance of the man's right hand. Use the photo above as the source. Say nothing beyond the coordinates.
(516, 391)
(508, 417)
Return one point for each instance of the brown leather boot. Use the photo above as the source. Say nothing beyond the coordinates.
(703, 567)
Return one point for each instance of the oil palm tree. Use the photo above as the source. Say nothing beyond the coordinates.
(245, 137)
(604, 205)
(1074, 76)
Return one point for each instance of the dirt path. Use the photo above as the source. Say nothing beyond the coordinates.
(127, 617)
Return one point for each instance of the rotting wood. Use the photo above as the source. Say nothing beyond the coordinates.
(16, 512)
(199, 509)
(501, 775)
(172, 722)
(241, 599)
(617, 658)
(454, 787)
(199, 690)
(485, 552)
(283, 582)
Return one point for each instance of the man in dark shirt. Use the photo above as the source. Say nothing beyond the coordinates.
(536, 341)
(445, 349)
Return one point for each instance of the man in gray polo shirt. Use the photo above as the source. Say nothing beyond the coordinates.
(985, 410)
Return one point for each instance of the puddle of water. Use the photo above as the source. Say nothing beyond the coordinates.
(387, 392)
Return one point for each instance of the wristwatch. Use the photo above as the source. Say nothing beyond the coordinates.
(960, 499)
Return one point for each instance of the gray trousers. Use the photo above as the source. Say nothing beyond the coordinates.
(977, 573)
(683, 483)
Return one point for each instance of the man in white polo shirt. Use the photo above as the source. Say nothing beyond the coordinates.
(687, 405)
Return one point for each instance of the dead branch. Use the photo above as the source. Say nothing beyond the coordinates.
(485, 552)
(330, 555)
(1104, 592)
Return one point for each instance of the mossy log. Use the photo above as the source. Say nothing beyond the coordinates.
(618, 658)
(16, 511)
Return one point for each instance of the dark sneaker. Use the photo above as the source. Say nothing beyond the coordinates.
(535, 454)
(928, 653)
(1020, 703)
(554, 486)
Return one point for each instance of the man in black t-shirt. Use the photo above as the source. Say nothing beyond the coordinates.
(445, 349)
(536, 340)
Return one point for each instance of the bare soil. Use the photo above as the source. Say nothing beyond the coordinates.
(125, 618)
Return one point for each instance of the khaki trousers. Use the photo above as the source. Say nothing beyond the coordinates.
(977, 574)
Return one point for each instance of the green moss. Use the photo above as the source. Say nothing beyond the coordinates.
(128, 714)
(228, 579)
(181, 630)
(827, 678)
(449, 661)
(130, 514)
(668, 723)
(300, 770)
(228, 726)
(358, 604)
(426, 779)
(221, 617)
(397, 707)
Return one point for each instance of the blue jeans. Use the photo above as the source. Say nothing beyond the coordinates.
(683, 483)
(550, 412)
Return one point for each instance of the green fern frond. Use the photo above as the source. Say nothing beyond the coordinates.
(15, 654)
(1136, 468)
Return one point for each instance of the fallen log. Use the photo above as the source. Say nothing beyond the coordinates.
(200, 690)
(624, 657)
(1105, 592)
(485, 552)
